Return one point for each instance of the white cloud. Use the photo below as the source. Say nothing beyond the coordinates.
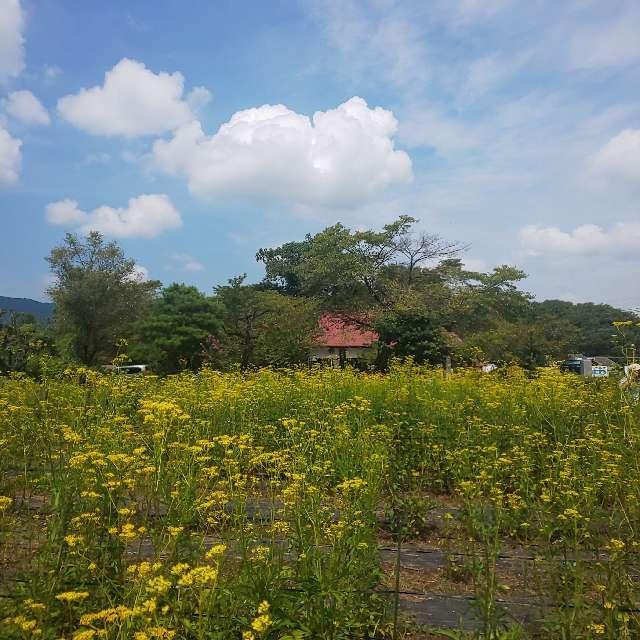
(11, 39)
(587, 239)
(184, 262)
(65, 213)
(133, 101)
(145, 216)
(198, 98)
(25, 107)
(140, 273)
(340, 156)
(619, 159)
(10, 158)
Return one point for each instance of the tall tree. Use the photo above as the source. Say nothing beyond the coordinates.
(265, 327)
(354, 270)
(175, 333)
(98, 295)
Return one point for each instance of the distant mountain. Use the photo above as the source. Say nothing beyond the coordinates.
(41, 310)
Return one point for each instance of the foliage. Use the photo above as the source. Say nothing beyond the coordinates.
(174, 334)
(593, 334)
(350, 270)
(410, 332)
(22, 342)
(264, 327)
(247, 505)
(97, 296)
(531, 344)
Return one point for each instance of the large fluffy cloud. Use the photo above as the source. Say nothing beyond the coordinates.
(10, 158)
(132, 101)
(11, 39)
(145, 216)
(24, 106)
(587, 239)
(340, 156)
(619, 159)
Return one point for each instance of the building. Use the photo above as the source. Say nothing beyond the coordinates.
(341, 341)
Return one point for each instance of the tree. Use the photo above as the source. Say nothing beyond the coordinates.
(265, 327)
(22, 340)
(594, 333)
(97, 295)
(411, 332)
(175, 333)
(353, 270)
(527, 342)
(425, 247)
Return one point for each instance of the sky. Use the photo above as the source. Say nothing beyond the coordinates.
(195, 133)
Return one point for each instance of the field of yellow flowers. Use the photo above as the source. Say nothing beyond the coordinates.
(255, 506)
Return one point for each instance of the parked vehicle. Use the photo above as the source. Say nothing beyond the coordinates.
(128, 369)
(585, 366)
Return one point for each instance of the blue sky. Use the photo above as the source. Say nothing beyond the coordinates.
(195, 133)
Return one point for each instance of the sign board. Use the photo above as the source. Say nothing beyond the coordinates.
(599, 371)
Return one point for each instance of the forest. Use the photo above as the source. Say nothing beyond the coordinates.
(411, 288)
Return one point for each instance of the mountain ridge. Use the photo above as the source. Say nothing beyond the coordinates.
(42, 311)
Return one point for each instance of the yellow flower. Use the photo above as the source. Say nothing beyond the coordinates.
(73, 541)
(216, 551)
(615, 544)
(158, 585)
(5, 503)
(199, 577)
(179, 569)
(72, 596)
(261, 623)
(25, 624)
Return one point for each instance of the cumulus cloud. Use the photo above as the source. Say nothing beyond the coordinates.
(11, 39)
(25, 107)
(145, 216)
(198, 98)
(65, 213)
(622, 238)
(340, 156)
(619, 159)
(184, 262)
(10, 158)
(132, 101)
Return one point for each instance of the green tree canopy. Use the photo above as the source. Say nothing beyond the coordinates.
(22, 340)
(353, 270)
(176, 332)
(263, 327)
(97, 295)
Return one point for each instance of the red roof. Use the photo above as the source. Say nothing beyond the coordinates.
(337, 331)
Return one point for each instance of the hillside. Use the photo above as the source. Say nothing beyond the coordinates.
(41, 310)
